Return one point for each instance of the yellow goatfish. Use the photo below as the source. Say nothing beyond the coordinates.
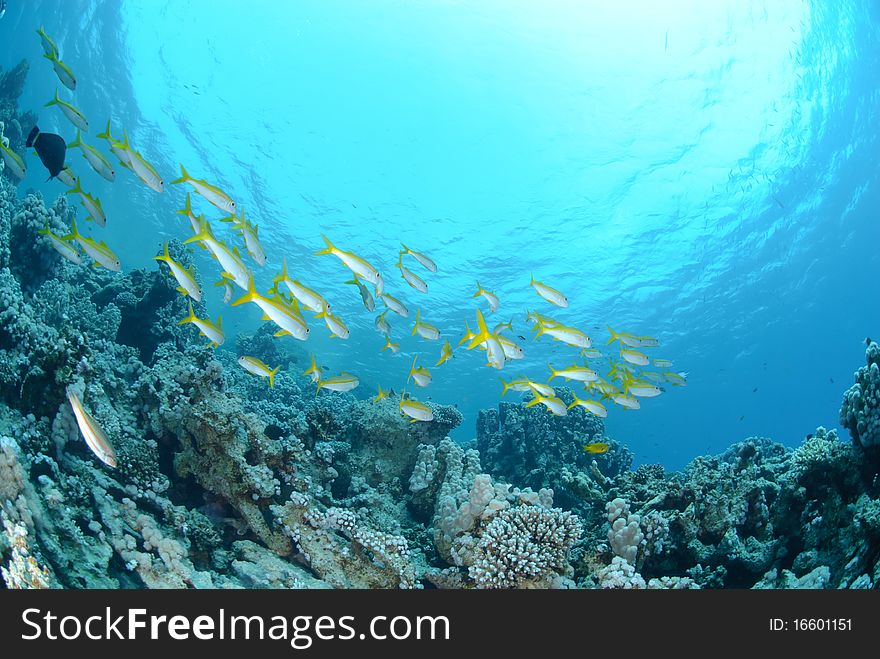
(393, 347)
(343, 382)
(675, 379)
(550, 294)
(311, 300)
(61, 246)
(230, 260)
(632, 340)
(187, 212)
(366, 296)
(186, 277)
(568, 335)
(627, 402)
(76, 117)
(351, 261)
(210, 192)
(415, 410)
(394, 304)
(421, 258)
(92, 204)
(91, 431)
(634, 357)
(334, 324)
(445, 354)
(511, 350)
(14, 162)
(592, 406)
(65, 75)
(257, 367)
(575, 372)
(494, 349)
(313, 371)
(640, 389)
(491, 298)
(519, 384)
(49, 46)
(276, 310)
(596, 447)
(95, 158)
(142, 169)
(214, 333)
(250, 233)
(552, 403)
(382, 325)
(67, 177)
(97, 251)
(410, 277)
(663, 363)
(117, 148)
(425, 330)
(421, 376)
(227, 289)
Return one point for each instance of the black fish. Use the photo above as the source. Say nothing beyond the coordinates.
(51, 148)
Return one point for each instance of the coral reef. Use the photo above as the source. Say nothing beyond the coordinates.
(223, 482)
(860, 411)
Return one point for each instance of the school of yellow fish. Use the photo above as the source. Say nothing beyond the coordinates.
(632, 376)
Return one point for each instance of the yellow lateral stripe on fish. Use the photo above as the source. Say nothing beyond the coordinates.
(14, 161)
(94, 157)
(61, 246)
(283, 315)
(351, 261)
(74, 114)
(553, 404)
(343, 382)
(49, 47)
(208, 329)
(311, 300)
(395, 305)
(118, 148)
(250, 233)
(634, 357)
(257, 367)
(97, 251)
(415, 410)
(186, 277)
(91, 204)
(592, 406)
(425, 330)
(596, 447)
(632, 340)
(421, 258)
(64, 72)
(210, 192)
(92, 433)
(550, 294)
(229, 259)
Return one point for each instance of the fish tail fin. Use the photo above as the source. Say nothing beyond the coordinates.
(418, 317)
(187, 206)
(552, 370)
(250, 296)
(505, 385)
(184, 176)
(537, 399)
(614, 335)
(166, 256)
(479, 289)
(272, 377)
(54, 101)
(575, 403)
(106, 134)
(412, 369)
(51, 58)
(46, 231)
(482, 331)
(203, 234)
(328, 249)
(77, 142)
(190, 318)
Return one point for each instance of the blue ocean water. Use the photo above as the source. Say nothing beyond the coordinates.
(703, 172)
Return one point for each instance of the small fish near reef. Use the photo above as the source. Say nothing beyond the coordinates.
(91, 431)
(257, 367)
(51, 148)
(14, 162)
(596, 448)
